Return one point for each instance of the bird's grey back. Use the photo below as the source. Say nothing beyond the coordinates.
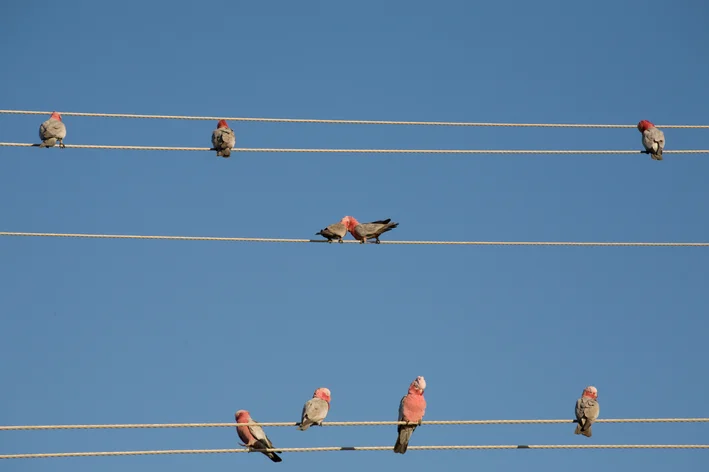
(222, 135)
(316, 408)
(340, 230)
(258, 433)
(52, 129)
(655, 135)
(588, 408)
(368, 230)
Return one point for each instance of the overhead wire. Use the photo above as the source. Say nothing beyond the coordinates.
(425, 243)
(364, 151)
(347, 122)
(343, 423)
(353, 448)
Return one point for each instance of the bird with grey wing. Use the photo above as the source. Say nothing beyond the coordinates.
(653, 139)
(364, 231)
(51, 131)
(412, 408)
(587, 410)
(315, 410)
(335, 231)
(223, 139)
(254, 436)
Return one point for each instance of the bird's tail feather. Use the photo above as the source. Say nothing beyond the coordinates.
(305, 424)
(402, 441)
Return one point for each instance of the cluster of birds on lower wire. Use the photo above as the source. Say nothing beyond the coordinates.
(411, 410)
(223, 138)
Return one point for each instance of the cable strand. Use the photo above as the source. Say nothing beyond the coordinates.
(290, 240)
(352, 448)
(363, 151)
(346, 122)
(345, 423)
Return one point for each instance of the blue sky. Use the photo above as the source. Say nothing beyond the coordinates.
(151, 331)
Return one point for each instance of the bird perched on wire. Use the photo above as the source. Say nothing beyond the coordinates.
(52, 130)
(411, 409)
(223, 139)
(253, 436)
(653, 139)
(315, 410)
(335, 231)
(587, 410)
(364, 231)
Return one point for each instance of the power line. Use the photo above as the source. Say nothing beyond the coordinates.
(342, 423)
(354, 448)
(426, 243)
(365, 151)
(346, 122)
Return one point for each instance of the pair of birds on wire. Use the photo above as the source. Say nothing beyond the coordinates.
(223, 138)
(361, 231)
(412, 409)
(54, 130)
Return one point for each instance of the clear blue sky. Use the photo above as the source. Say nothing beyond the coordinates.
(149, 331)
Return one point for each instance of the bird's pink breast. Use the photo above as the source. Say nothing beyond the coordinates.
(245, 435)
(414, 408)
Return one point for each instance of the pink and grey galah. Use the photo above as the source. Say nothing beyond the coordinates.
(223, 139)
(335, 231)
(653, 139)
(587, 410)
(411, 409)
(52, 130)
(364, 231)
(315, 410)
(253, 436)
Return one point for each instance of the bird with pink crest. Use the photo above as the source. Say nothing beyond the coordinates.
(587, 410)
(653, 139)
(51, 131)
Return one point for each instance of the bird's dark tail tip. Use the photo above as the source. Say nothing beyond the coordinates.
(400, 448)
(274, 457)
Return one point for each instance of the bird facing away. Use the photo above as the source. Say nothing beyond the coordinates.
(653, 139)
(587, 410)
(411, 409)
(335, 231)
(315, 410)
(253, 436)
(52, 130)
(223, 139)
(364, 231)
